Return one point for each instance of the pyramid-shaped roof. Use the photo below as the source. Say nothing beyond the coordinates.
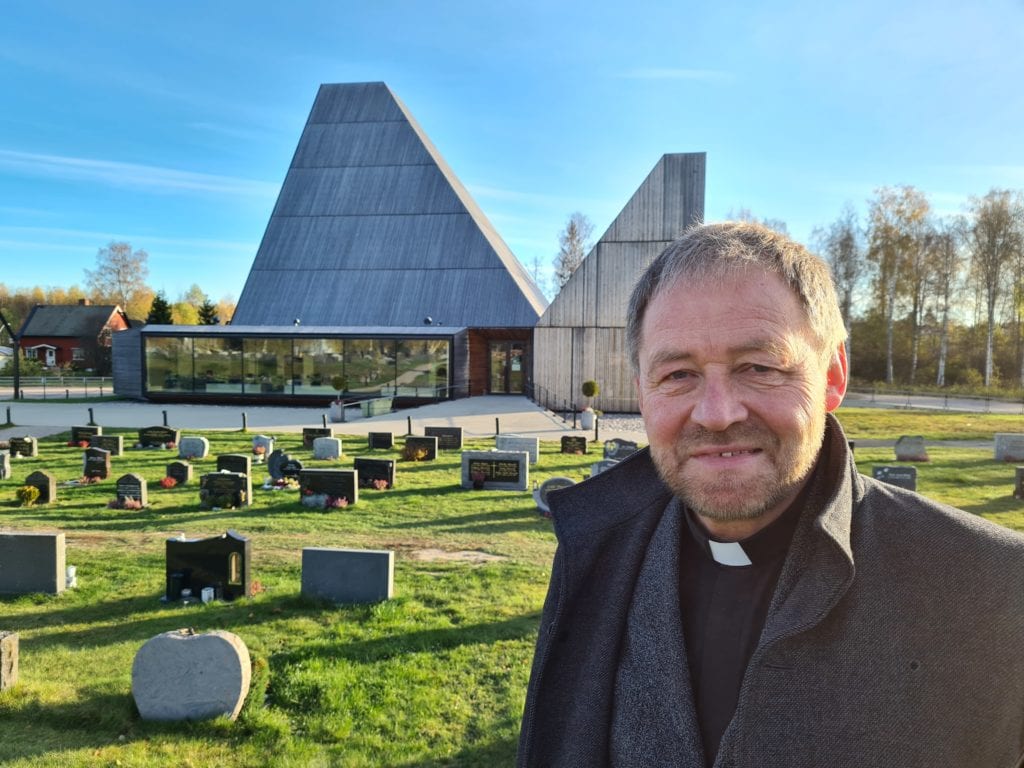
(372, 228)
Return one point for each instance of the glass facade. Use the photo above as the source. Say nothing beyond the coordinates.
(279, 366)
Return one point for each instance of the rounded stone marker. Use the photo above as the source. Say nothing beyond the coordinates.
(182, 675)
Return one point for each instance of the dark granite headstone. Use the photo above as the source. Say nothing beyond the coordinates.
(82, 434)
(448, 438)
(1018, 485)
(235, 462)
(338, 483)
(5, 465)
(428, 444)
(375, 469)
(112, 443)
(903, 477)
(540, 495)
(181, 471)
(46, 483)
(132, 486)
(96, 463)
(290, 467)
(496, 470)
(574, 444)
(381, 440)
(225, 489)
(617, 449)
(222, 562)
(602, 466)
(27, 447)
(309, 434)
(158, 437)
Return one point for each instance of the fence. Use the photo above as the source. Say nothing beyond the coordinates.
(57, 387)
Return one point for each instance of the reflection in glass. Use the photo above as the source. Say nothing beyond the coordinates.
(168, 364)
(234, 568)
(218, 365)
(370, 365)
(268, 366)
(422, 367)
(317, 361)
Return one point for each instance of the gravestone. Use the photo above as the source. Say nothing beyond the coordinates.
(574, 444)
(1009, 446)
(337, 483)
(309, 434)
(182, 675)
(496, 470)
(540, 495)
(348, 575)
(911, 448)
(46, 483)
(1018, 485)
(31, 562)
(903, 477)
(133, 486)
(602, 466)
(518, 443)
(264, 442)
(381, 440)
(291, 467)
(8, 660)
(24, 447)
(181, 471)
(617, 449)
(5, 465)
(83, 433)
(193, 447)
(327, 448)
(375, 469)
(112, 443)
(234, 462)
(428, 444)
(222, 562)
(96, 463)
(158, 437)
(225, 489)
(448, 438)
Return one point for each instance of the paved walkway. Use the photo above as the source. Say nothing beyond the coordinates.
(476, 416)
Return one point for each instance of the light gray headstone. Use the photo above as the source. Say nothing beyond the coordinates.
(5, 465)
(1009, 446)
(266, 442)
(195, 447)
(518, 443)
(348, 575)
(911, 448)
(31, 562)
(8, 660)
(181, 675)
(496, 470)
(327, 448)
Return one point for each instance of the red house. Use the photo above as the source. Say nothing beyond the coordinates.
(73, 335)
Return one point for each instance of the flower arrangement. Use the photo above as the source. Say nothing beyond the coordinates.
(88, 480)
(478, 480)
(282, 483)
(168, 482)
(322, 500)
(413, 453)
(380, 484)
(27, 495)
(170, 445)
(125, 503)
(78, 443)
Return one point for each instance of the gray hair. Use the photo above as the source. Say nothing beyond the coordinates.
(713, 251)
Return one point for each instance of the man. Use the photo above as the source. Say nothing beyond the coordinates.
(738, 595)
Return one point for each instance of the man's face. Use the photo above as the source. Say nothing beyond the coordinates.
(734, 392)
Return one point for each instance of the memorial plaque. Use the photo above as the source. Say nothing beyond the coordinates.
(336, 483)
(427, 444)
(309, 434)
(574, 444)
(193, 447)
(291, 467)
(381, 440)
(327, 448)
(448, 438)
(47, 485)
(602, 466)
(496, 470)
(222, 562)
(112, 443)
(911, 448)
(25, 447)
(96, 463)
(234, 462)
(618, 449)
(1018, 485)
(1009, 446)
(903, 477)
(518, 443)
(158, 437)
(370, 470)
(82, 434)
(132, 486)
(32, 562)
(5, 465)
(540, 495)
(181, 471)
(224, 490)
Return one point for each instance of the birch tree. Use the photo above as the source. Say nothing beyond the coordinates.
(573, 242)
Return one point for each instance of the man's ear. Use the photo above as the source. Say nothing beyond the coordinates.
(836, 379)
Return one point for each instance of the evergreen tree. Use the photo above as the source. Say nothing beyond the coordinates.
(160, 311)
(208, 313)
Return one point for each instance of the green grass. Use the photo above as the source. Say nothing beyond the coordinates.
(434, 677)
(882, 424)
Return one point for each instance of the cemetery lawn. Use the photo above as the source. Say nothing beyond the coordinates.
(889, 424)
(434, 677)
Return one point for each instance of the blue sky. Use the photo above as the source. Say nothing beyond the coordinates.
(171, 125)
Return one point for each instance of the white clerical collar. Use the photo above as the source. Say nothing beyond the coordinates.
(728, 553)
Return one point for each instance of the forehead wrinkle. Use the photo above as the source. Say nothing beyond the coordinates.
(779, 348)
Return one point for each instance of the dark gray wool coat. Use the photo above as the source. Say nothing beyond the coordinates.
(895, 638)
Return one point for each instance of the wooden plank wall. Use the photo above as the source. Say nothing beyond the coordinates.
(126, 356)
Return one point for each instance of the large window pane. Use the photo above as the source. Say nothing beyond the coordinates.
(168, 364)
(317, 361)
(268, 366)
(370, 365)
(422, 367)
(218, 365)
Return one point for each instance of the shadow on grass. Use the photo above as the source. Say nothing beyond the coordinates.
(498, 752)
(479, 522)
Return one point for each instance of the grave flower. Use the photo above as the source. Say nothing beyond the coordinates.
(336, 502)
(478, 480)
(380, 484)
(168, 482)
(27, 495)
(87, 480)
(170, 446)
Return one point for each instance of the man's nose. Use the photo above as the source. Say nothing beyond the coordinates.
(720, 405)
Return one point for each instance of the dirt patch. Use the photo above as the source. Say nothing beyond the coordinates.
(463, 556)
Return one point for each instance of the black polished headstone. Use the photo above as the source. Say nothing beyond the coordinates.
(381, 440)
(375, 469)
(1018, 484)
(132, 486)
(235, 462)
(46, 483)
(181, 471)
(225, 489)
(309, 434)
(290, 467)
(222, 562)
(339, 483)
(448, 438)
(574, 444)
(96, 463)
(158, 437)
(112, 443)
(617, 449)
(428, 444)
(83, 433)
(903, 477)
(27, 447)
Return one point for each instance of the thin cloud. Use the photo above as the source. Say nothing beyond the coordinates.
(131, 175)
(674, 73)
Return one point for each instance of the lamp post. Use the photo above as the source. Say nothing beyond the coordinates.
(17, 356)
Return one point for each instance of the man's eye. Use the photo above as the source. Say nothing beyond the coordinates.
(761, 369)
(678, 375)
